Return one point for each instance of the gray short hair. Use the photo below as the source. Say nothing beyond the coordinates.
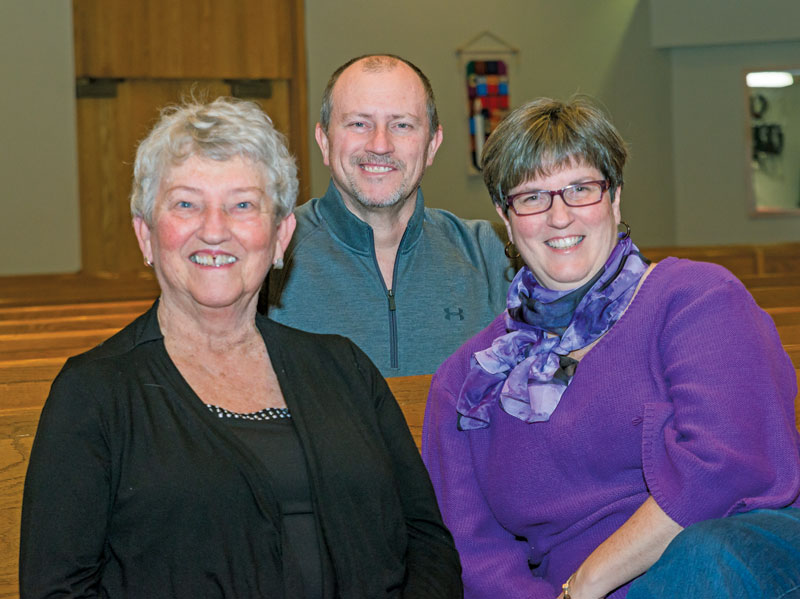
(375, 63)
(219, 130)
(547, 134)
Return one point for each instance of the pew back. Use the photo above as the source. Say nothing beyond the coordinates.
(741, 260)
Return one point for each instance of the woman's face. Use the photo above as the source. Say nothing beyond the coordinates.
(565, 247)
(213, 234)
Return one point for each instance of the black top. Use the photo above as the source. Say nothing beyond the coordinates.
(270, 435)
(135, 489)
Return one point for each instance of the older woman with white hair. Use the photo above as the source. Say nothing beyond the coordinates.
(205, 451)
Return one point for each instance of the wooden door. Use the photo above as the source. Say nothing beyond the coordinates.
(133, 58)
(109, 130)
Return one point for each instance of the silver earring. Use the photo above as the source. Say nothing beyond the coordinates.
(627, 229)
(147, 263)
(278, 263)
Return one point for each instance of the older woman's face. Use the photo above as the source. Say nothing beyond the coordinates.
(565, 247)
(213, 234)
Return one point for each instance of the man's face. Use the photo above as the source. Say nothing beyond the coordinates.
(378, 144)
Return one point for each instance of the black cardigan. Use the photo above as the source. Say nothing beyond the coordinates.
(135, 489)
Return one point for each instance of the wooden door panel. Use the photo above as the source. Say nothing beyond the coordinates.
(109, 130)
(203, 39)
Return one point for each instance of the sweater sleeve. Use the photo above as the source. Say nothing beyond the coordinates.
(494, 561)
(66, 497)
(492, 238)
(724, 441)
(432, 565)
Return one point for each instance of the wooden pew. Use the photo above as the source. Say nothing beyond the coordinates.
(791, 279)
(50, 331)
(73, 310)
(739, 259)
(68, 329)
(411, 393)
(68, 324)
(65, 323)
(29, 362)
(76, 288)
(26, 383)
(777, 297)
(754, 260)
(790, 334)
(780, 258)
(784, 316)
(18, 427)
(15, 346)
(742, 260)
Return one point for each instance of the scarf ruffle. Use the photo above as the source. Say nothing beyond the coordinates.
(526, 369)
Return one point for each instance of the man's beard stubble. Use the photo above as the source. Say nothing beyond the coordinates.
(397, 196)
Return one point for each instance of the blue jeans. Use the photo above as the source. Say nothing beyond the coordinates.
(755, 554)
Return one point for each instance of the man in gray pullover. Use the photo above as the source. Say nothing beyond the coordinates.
(368, 261)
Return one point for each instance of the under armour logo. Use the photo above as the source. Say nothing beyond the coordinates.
(451, 314)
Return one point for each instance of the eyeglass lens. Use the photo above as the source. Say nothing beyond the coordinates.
(580, 194)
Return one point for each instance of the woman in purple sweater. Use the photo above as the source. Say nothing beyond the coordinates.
(621, 421)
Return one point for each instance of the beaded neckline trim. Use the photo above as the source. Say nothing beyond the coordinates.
(265, 414)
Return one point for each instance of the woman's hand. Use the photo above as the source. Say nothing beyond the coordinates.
(575, 591)
(629, 552)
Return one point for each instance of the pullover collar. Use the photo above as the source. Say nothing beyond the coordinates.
(354, 233)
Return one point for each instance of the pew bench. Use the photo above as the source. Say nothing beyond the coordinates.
(36, 340)
(777, 297)
(26, 383)
(18, 428)
(787, 279)
(58, 310)
(66, 323)
(411, 393)
(742, 260)
(18, 421)
(16, 346)
(784, 316)
(77, 288)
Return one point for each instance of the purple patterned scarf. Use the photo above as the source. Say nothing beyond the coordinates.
(527, 369)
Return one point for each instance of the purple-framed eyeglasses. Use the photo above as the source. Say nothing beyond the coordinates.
(537, 201)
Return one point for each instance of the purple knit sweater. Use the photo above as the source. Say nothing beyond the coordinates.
(689, 398)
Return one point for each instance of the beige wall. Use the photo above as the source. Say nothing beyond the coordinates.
(39, 227)
(711, 142)
(598, 48)
(712, 44)
(709, 22)
(681, 107)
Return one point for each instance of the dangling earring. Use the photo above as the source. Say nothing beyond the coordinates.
(510, 248)
(627, 229)
(278, 263)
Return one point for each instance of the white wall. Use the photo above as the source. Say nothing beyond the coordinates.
(599, 48)
(682, 109)
(714, 42)
(39, 228)
(709, 22)
(710, 109)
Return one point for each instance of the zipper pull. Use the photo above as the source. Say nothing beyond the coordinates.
(390, 295)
